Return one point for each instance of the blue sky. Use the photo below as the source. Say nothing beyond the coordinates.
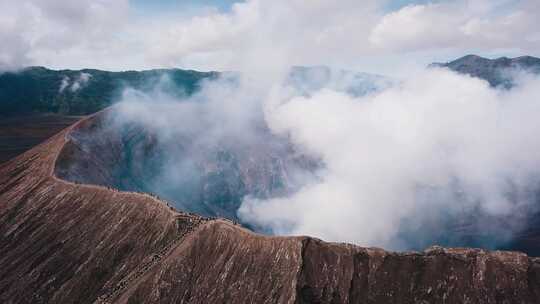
(163, 6)
(397, 4)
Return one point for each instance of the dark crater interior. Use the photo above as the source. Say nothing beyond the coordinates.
(210, 179)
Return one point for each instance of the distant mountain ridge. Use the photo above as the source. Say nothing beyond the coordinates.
(495, 71)
(80, 92)
(86, 91)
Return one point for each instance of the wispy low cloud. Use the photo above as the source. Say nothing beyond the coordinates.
(437, 156)
(79, 82)
(64, 84)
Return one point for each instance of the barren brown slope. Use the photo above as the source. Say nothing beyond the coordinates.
(19, 133)
(69, 243)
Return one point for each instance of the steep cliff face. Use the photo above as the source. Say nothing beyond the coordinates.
(241, 267)
(64, 242)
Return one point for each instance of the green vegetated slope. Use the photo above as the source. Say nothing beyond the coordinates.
(79, 92)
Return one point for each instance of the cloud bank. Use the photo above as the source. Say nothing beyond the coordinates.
(437, 149)
(115, 35)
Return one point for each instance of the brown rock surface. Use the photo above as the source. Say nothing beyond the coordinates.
(62, 242)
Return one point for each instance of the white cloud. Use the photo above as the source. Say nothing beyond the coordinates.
(438, 146)
(79, 82)
(111, 35)
(49, 32)
(416, 26)
(64, 84)
(284, 32)
(461, 25)
(65, 32)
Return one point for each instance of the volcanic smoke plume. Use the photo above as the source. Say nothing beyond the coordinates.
(434, 158)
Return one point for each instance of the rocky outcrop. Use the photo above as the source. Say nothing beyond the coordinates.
(63, 242)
